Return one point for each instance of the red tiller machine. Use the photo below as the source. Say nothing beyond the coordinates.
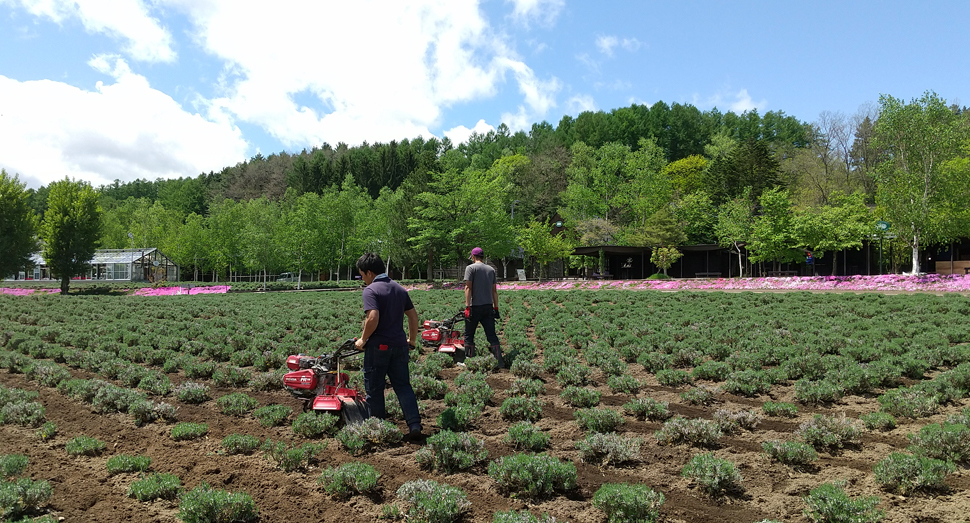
(322, 387)
(447, 335)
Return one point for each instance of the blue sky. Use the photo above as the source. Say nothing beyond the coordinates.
(127, 89)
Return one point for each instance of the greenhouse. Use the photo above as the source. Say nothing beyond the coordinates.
(147, 264)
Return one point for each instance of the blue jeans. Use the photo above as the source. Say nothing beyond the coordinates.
(484, 314)
(392, 364)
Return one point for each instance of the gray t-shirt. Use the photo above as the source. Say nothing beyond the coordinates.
(482, 278)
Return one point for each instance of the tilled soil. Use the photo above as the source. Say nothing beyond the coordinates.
(85, 492)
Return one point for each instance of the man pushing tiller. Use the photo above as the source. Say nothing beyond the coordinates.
(321, 385)
(385, 345)
(481, 304)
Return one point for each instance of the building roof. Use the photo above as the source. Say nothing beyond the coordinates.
(120, 255)
(622, 249)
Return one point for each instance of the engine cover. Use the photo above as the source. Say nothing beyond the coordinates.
(302, 379)
(299, 361)
(431, 335)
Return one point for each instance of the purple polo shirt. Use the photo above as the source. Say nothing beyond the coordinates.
(390, 300)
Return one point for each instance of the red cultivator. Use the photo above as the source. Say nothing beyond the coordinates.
(447, 335)
(321, 385)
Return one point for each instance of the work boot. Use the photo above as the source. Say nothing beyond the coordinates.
(497, 352)
(414, 434)
(469, 350)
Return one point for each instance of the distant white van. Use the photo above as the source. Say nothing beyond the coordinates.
(287, 276)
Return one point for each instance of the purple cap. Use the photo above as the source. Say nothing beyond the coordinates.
(477, 251)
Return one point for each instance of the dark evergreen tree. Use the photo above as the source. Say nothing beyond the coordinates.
(751, 164)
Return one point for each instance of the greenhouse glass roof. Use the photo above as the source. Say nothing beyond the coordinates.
(119, 255)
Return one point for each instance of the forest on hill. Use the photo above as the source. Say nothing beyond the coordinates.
(661, 176)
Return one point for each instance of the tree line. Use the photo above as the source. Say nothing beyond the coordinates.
(660, 176)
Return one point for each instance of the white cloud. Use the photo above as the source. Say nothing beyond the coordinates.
(580, 103)
(615, 85)
(588, 61)
(386, 71)
(606, 44)
(122, 130)
(544, 12)
(128, 20)
(540, 97)
(537, 46)
(461, 133)
(743, 102)
(737, 102)
(631, 44)
(306, 72)
(634, 100)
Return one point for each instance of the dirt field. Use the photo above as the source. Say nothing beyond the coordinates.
(85, 492)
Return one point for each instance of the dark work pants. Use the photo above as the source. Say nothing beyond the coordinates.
(391, 364)
(484, 314)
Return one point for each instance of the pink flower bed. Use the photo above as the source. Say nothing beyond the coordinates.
(886, 282)
(174, 291)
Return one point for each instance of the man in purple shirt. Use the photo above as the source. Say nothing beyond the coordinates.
(385, 346)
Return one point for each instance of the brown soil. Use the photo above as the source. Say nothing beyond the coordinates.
(85, 492)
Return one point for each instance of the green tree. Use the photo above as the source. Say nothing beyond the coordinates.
(914, 194)
(579, 199)
(664, 257)
(596, 231)
(38, 200)
(843, 223)
(226, 239)
(390, 226)
(538, 182)
(646, 189)
(863, 156)
(184, 196)
(687, 174)
(538, 241)
(698, 215)
(597, 181)
(190, 246)
(721, 146)
(403, 208)
(122, 217)
(71, 229)
(773, 234)
(295, 233)
(734, 224)
(159, 227)
(610, 176)
(750, 164)
(685, 131)
(956, 172)
(260, 247)
(661, 229)
(663, 233)
(350, 217)
(461, 211)
(18, 225)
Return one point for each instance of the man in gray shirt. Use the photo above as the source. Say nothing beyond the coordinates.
(481, 304)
